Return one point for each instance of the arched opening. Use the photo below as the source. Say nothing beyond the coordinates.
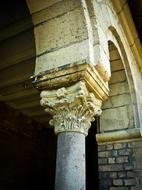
(129, 70)
(118, 109)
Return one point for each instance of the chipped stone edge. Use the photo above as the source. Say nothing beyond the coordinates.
(69, 74)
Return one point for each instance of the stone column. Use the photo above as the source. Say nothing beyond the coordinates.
(70, 164)
(72, 108)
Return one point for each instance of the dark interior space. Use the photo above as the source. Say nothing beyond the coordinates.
(27, 152)
(136, 11)
(13, 11)
(92, 159)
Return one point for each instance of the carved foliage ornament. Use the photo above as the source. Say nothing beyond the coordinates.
(72, 108)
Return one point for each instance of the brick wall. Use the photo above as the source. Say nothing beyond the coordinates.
(120, 166)
(27, 152)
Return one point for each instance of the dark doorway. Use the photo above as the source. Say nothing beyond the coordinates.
(92, 159)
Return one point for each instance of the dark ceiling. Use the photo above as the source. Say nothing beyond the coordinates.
(136, 11)
(12, 12)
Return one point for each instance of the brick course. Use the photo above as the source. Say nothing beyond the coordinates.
(116, 166)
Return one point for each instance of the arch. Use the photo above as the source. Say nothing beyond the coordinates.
(112, 29)
(118, 111)
(115, 38)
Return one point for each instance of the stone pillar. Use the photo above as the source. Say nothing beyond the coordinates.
(72, 108)
(70, 165)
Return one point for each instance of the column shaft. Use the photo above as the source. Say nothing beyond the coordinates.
(70, 164)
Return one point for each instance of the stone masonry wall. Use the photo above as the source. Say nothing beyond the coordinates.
(119, 101)
(118, 165)
(137, 149)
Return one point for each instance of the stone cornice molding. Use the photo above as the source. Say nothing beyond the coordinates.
(70, 74)
(72, 108)
(128, 134)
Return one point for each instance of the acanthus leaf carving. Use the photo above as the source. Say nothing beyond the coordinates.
(72, 108)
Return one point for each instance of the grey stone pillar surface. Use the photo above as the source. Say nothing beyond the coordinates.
(70, 163)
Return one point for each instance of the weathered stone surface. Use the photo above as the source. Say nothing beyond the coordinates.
(136, 144)
(125, 152)
(104, 154)
(57, 9)
(114, 56)
(138, 153)
(123, 159)
(112, 167)
(57, 35)
(118, 76)
(122, 174)
(107, 104)
(102, 161)
(129, 182)
(116, 65)
(114, 153)
(75, 53)
(120, 145)
(131, 174)
(117, 182)
(109, 147)
(119, 135)
(111, 160)
(119, 88)
(128, 166)
(113, 174)
(110, 120)
(101, 148)
(120, 100)
(36, 6)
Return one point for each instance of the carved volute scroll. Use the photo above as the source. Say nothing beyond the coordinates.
(72, 108)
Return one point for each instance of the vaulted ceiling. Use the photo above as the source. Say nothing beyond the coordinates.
(17, 60)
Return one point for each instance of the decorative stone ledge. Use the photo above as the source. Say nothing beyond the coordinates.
(119, 135)
(72, 108)
(70, 74)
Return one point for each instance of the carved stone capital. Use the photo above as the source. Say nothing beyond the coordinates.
(72, 108)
